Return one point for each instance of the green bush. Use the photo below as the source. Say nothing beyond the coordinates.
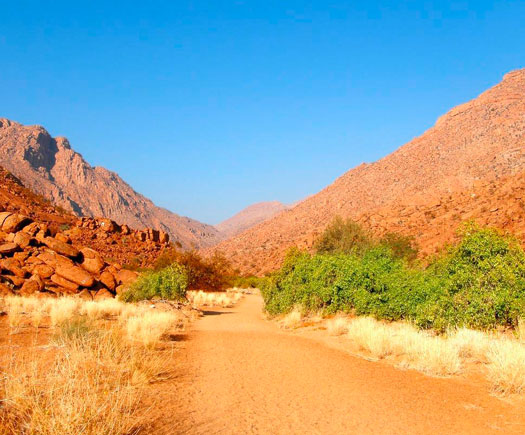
(248, 282)
(343, 237)
(479, 283)
(212, 274)
(401, 246)
(168, 283)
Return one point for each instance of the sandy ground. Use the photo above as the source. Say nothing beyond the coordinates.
(239, 373)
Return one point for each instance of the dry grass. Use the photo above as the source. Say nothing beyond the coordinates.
(371, 336)
(336, 326)
(432, 355)
(472, 344)
(62, 309)
(506, 366)
(293, 319)
(502, 355)
(94, 371)
(82, 390)
(199, 298)
(149, 327)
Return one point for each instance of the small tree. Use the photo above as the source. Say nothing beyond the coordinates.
(343, 237)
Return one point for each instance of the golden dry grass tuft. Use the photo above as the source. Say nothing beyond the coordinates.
(199, 298)
(149, 327)
(502, 355)
(506, 366)
(293, 319)
(336, 326)
(93, 372)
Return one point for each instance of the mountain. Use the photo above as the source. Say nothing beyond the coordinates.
(50, 167)
(469, 166)
(249, 217)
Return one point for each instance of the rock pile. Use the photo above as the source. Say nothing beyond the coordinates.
(35, 262)
(109, 227)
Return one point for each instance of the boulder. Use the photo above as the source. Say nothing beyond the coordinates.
(43, 271)
(63, 282)
(63, 238)
(12, 265)
(114, 268)
(60, 247)
(22, 239)
(103, 294)
(125, 230)
(74, 273)
(108, 280)
(9, 248)
(92, 261)
(30, 286)
(15, 280)
(85, 294)
(22, 256)
(121, 289)
(34, 260)
(126, 277)
(3, 216)
(15, 222)
(48, 257)
(108, 225)
(32, 229)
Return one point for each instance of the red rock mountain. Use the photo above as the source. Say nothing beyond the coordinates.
(250, 216)
(469, 166)
(50, 167)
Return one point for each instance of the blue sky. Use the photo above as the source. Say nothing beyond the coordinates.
(208, 106)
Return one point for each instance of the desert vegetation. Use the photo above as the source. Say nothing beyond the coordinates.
(464, 305)
(500, 355)
(199, 298)
(169, 283)
(91, 372)
(211, 274)
(478, 283)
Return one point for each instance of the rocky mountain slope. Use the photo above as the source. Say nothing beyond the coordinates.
(48, 251)
(50, 167)
(249, 217)
(469, 166)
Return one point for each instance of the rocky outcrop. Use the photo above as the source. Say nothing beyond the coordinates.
(50, 167)
(249, 217)
(469, 166)
(51, 265)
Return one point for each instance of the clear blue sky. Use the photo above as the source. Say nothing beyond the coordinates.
(208, 106)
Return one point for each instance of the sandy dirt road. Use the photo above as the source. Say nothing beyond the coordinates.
(240, 374)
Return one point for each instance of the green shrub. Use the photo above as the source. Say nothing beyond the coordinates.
(401, 246)
(212, 274)
(168, 283)
(479, 283)
(343, 237)
(248, 282)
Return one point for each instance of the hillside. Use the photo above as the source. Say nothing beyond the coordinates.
(469, 166)
(249, 217)
(50, 167)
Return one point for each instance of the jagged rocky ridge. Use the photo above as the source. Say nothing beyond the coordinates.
(50, 167)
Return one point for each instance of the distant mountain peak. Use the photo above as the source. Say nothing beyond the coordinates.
(50, 167)
(250, 216)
